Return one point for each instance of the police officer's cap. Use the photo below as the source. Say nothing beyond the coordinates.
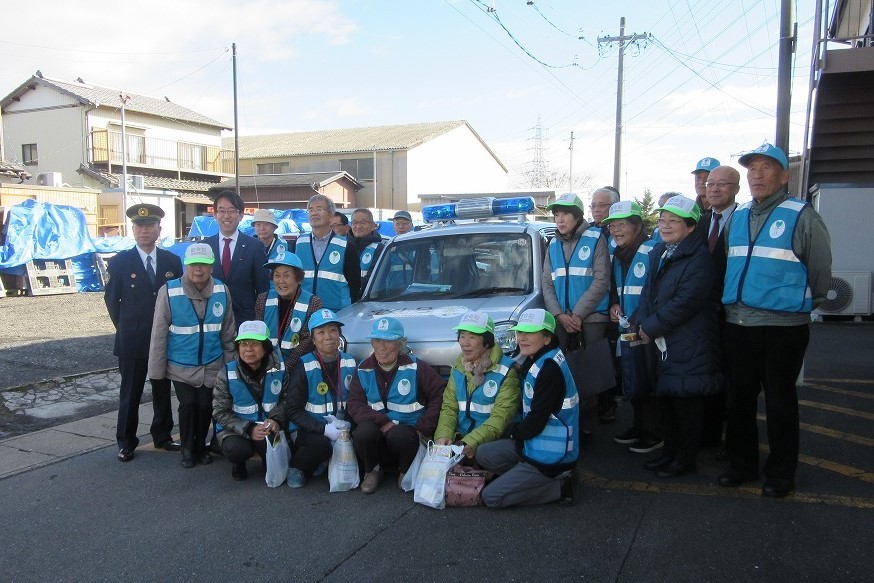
(145, 213)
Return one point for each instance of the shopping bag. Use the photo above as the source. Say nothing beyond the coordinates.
(639, 361)
(591, 366)
(464, 485)
(343, 467)
(409, 481)
(277, 459)
(430, 484)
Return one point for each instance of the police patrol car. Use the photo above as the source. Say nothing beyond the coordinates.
(429, 279)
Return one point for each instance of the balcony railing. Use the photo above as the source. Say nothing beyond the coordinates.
(106, 148)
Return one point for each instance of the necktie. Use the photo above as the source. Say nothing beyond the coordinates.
(714, 231)
(226, 257)
(150, 270)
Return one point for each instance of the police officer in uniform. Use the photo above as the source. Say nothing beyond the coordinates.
(135, 276)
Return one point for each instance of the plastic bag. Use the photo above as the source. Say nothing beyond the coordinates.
(278, 455)
(343, 467)
(409, 481)
(430, 484)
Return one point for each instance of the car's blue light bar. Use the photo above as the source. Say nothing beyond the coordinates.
(478, 208)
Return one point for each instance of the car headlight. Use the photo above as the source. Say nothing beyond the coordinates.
(505, 338)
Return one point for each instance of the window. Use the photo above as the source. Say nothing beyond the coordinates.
(360, 168)
(273, 168)
(29, 155)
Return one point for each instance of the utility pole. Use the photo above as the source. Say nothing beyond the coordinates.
(784, 76)
(623, 41)
(236, 125)
(124, 99)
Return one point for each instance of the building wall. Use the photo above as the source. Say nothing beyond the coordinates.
(83, 199)
(54, 123)
(455, 162)
(156, 127)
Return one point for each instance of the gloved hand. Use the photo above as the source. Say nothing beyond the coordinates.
(331, 432)
(330, 419)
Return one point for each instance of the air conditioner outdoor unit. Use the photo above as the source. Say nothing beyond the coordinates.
(50, 179)
(849, 294)
(137, 181)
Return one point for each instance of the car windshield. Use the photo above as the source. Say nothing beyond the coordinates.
(457, 266)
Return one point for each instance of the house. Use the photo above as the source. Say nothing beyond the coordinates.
(70, 133)
(293, 190)
(840, 156)
(395, 164)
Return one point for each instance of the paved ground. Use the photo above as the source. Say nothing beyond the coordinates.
(72, 512)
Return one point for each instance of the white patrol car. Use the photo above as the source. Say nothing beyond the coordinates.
(428, 279)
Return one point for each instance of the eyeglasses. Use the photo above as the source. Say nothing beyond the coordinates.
(317, 209)
(249, 343)
(226, 211)
(600, 206)
(720, 184)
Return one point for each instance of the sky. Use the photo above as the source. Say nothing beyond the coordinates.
(703, 84)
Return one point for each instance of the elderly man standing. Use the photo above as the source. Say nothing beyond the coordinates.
(366, 241)
(135, 276)
(701, 172)
(330, 270)
(778, 270)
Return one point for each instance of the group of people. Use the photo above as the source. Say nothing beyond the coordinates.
(710, 311)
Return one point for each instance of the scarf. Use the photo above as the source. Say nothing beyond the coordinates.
(479, 368)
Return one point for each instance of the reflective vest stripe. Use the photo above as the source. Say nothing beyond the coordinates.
(411, 408)
(476, 407)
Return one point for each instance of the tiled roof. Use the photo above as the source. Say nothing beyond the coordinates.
(293, 179)
(89, 94)
(153, 182)
(8, 168)
(396, 137)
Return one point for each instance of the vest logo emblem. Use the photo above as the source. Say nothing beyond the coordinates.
(584, 253)
(639, 269)
(347, 381)
(322, 388)
(295, 340)
(334, 257)
(404, 387)
(295, 324)
(218, 309)
(777, 228)
(275, 386)
(529, 390)
(365, 259)
(490, 389)
(280, 256)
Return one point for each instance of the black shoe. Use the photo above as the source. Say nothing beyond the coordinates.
(187, 459)
(205, 459)
(585, 437)
(628, 437)
(658, 463)
(734, 478)
(777, 488)
(675, 469)
(568, 490)
(169, 445)
(646, 444)
(607, 414)
(239, 472)
(125, 455)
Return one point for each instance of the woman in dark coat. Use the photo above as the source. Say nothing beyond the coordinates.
(674, 313)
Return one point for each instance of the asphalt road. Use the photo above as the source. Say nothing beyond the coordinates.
(90, 518)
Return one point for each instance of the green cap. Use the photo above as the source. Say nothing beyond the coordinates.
(622, 210)
(476, 322)
(534, 321)
(567, 199)
(253, 330)
(682, 207)
(199, 253)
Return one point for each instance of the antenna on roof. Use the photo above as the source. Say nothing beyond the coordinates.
(79, 80)
(167, 98)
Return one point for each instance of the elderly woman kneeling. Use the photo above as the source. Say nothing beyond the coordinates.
(249, 398)
(394, 399)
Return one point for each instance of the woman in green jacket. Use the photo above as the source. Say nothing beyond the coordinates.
(483, 394)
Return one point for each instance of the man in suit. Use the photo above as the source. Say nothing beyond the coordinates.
(722, 187)
(240, 258)
(135, 276)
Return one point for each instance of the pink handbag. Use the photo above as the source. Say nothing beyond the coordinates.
(464, 485)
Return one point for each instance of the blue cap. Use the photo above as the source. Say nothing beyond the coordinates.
(768, 150)
(284, 257)
(705, 165)
(322, 317)
(387, 329)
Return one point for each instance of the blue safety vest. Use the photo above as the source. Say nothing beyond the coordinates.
(245, 406)
(765, 273)
(400, 404)
(291, 336)
(629, 285)
(572, 278)
(278, 250)
(400, 270)
(325, 279)
(191, 341)
(367, 256)
(475, 408)
(321, 400)
(559, 442)
(656, 237)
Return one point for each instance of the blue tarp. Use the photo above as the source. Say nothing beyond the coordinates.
(207, 226)
(37, 230)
